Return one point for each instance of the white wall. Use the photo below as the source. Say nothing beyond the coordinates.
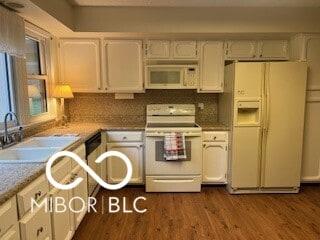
(197, 20)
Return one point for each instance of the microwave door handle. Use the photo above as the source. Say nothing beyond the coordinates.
(184, 76)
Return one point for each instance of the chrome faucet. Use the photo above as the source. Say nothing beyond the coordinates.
(9, 140)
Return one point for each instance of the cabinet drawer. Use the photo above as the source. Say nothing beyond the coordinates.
(12, 234)
(61, 170)
(124, 136)
(36, 190)
(8, 217)
(214, 136)
(36, 225)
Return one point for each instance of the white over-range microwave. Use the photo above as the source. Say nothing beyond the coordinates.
(171, 77)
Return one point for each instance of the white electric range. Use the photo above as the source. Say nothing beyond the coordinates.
(172, 176)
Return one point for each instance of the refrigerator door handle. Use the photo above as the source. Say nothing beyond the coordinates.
(267, 92)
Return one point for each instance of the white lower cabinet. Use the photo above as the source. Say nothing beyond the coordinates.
(9, 227)
(214, 157)
(130, 144)
(62, 219)
(80, 192)
(35, 222)
(36, 225)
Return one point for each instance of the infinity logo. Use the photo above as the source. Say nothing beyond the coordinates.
(88, 170)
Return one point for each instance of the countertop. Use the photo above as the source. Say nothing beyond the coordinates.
(15, 177)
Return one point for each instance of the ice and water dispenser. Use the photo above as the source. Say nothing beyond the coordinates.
(247, 113)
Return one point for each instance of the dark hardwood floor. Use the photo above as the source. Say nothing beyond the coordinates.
(211, 214)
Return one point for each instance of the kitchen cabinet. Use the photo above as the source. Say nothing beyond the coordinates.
(158, 49)
(123, 68)
(272, 49)
(131, 144)
(9, 227)
(171, 50)
(80, 64)
(62, 221)
(310, 169)
(80, 191)
(35, 222)
(211, 63)
(36, 225)
(214, 157)
(256, 50)
(312, 55)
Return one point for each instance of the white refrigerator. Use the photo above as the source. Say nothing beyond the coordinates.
(264, 104)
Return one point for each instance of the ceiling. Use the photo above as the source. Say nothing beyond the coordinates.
(198, 3)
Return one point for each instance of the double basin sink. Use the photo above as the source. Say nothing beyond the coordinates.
(36, 149)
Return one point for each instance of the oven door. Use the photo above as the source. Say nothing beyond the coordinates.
(157, 165)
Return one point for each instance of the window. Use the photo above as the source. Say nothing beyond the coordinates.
(6, 86)
(37, 76)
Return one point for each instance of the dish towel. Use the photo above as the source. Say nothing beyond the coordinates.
(174, 146)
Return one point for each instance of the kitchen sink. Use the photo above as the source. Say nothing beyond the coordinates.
(58, 142)
(36, 149)
(26, 155)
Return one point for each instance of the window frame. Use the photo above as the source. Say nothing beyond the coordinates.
(44, 40)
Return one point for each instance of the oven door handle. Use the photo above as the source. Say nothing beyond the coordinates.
(184, 180)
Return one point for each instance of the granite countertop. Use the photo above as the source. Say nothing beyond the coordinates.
(15, 177)
(213, 127)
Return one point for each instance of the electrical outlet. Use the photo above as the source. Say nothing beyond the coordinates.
(201, 106)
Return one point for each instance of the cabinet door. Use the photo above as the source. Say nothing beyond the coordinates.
(116, 167)
(310, 169)
(214, 162)
(123, 59)
(240, 49)
(62, 220)
(13, 233)
(313, 59)
(80, 64)
(184, 49)
(211, 67)
(36, 225)
(158, 49)
(79, 194)
(273, 49)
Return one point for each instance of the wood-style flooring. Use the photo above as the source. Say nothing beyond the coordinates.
(211, 214)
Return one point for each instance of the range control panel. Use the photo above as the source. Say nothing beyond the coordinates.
(171, 109)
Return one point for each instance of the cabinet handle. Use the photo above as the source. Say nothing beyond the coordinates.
(39, 230)
(261, 55)
(214, 138)
(37, 195)
(99, 88)
(124, 138)
(106, 89)
(204, 145)
(254, 55)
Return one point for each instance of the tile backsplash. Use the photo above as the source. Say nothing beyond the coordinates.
(103, 107)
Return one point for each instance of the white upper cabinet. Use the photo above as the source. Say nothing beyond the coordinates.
(171, 50)
(211, 63)
(240, 49)
(158, 49)
(313, 59)
(80, 64)
(273, 49)
(184, 49)
(123, 65)
(257, 50)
